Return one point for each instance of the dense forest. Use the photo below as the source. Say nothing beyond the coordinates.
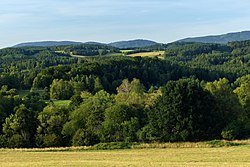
(196, 92)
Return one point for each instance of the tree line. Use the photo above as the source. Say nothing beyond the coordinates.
(182, 110)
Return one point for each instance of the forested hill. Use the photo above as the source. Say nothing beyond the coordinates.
(224, 38)
(119, 44)
(139, 43)
(78, 95)
(47, 43)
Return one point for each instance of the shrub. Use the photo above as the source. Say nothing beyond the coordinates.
(112, 146)
(51, 140)
(16, 141)
(3, 141)
(236, 130)
(221, 143)
(83, 138)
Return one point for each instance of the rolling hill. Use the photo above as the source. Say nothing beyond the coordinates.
(47, 43)
(139, 43)
(224, 38)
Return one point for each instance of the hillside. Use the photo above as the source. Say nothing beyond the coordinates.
(139, 43)
(103, 96)
(224, 38)
(119, 44)
(47, 43)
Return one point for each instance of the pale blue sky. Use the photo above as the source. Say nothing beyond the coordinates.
(112, 20)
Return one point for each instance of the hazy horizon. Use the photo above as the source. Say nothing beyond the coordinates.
(107, 21)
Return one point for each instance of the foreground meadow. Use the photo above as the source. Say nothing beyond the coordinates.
(194, 157)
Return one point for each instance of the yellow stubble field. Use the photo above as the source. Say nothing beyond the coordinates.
(194, 157)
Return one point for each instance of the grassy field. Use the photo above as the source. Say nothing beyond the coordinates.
(64, 103)
(23, 93)
(126, 51)
(109, 54)
(194, 157)
(114, 54)
(159, 54)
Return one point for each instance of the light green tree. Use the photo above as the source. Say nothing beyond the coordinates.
(20, 128)
(61, 90)
(85, 123)
(131, 92)
(51, 121)
(243, 91)
(121, 123)
(227, 107)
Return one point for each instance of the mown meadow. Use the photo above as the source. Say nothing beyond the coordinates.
(142, 155)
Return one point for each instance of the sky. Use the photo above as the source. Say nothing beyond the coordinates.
(113, 20)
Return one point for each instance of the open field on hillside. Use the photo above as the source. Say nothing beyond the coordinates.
(160, 54)
(113, 54)
(193, 157)
(23, 93)
(62, 103)
(109, 54)
(71, 54)
(126, 51)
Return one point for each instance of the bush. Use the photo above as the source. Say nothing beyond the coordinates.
(228, 134)
(112, 146)
(51, 140)
(146, 134)
(83, 138)
(3, 141)
(236, 130)
(17, 141)
(221, 143)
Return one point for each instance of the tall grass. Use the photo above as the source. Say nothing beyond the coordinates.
(125, 145)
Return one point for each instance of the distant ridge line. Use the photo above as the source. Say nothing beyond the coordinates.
(138, 43)
(224, 38)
